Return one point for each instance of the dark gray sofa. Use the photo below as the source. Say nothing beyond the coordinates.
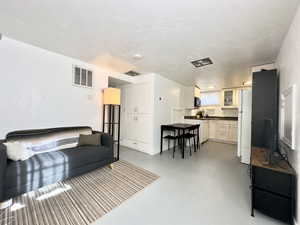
(18, 177)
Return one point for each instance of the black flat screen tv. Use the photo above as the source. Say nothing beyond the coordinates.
(269, 140)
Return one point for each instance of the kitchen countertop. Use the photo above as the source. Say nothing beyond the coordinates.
(211, 118)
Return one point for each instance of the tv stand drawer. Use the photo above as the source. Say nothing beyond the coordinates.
(272, 205)
(273, 181)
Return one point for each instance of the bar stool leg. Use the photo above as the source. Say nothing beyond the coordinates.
(190, 147)
(174, 148)
(195, 147)
(198, 138)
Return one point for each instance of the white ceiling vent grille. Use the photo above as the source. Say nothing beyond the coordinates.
(202, 62)
(82, 77)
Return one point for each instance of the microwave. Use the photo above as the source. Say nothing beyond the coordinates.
(197, 102)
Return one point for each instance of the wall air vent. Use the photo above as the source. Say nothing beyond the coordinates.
(82, 77)
(132, 73)
(202, 62)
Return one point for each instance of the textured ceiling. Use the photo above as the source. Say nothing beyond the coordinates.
(236, 34)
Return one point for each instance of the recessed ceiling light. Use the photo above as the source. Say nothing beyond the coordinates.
(137, 56)
(211, 87)
(202, 62)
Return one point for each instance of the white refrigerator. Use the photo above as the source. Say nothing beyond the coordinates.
(244, 125)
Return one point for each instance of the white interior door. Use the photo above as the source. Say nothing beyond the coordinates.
(142, 97)
(246, 126)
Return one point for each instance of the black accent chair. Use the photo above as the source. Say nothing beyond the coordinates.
(19, 177)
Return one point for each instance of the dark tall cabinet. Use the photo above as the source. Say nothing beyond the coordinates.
(264, 104)
(272, 185)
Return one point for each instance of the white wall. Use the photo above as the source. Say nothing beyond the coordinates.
(168, 95)
(289, 68)
(37, 91)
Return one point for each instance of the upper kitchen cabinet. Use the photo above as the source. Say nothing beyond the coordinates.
(197, 92)
(230, 98)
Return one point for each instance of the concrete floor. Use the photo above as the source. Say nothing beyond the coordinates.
(209, 188)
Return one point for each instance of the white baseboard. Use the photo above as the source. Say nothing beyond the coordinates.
(222, 141)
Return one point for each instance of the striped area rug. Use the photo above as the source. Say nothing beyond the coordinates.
(80, 200)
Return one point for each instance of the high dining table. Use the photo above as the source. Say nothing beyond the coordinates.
(181, 128)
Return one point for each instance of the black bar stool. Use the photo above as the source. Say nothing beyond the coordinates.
(171, 137)
(192, 133)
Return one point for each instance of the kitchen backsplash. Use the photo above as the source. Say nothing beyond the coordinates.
(216, 111)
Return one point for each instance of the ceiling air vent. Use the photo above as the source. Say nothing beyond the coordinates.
(202, 62)
(132, 73)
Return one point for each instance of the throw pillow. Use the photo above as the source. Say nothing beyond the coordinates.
(92, 139)
(17, 151)
(53, 141)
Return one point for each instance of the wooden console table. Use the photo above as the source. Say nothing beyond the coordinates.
(272, 188)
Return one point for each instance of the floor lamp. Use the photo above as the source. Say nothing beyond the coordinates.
(111, 116)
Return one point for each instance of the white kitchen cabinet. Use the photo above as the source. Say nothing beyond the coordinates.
(212, 129)
(223, 130)
(137, 132)
(129, 103)
(138, 127)
(142, 94)
(230, 98)
(137, 117)
(191, 121)
(137, 98)
(232, 131)
(144, 128)
(204, 128)
(132, 125)
(218, 130)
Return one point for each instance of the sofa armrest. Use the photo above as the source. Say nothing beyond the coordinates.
(3, 164)
(107, 141)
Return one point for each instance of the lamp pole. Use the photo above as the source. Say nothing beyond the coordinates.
(112, 100)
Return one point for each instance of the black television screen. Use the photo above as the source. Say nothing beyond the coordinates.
(269, 139)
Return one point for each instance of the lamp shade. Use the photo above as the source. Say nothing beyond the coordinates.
(112, 96)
